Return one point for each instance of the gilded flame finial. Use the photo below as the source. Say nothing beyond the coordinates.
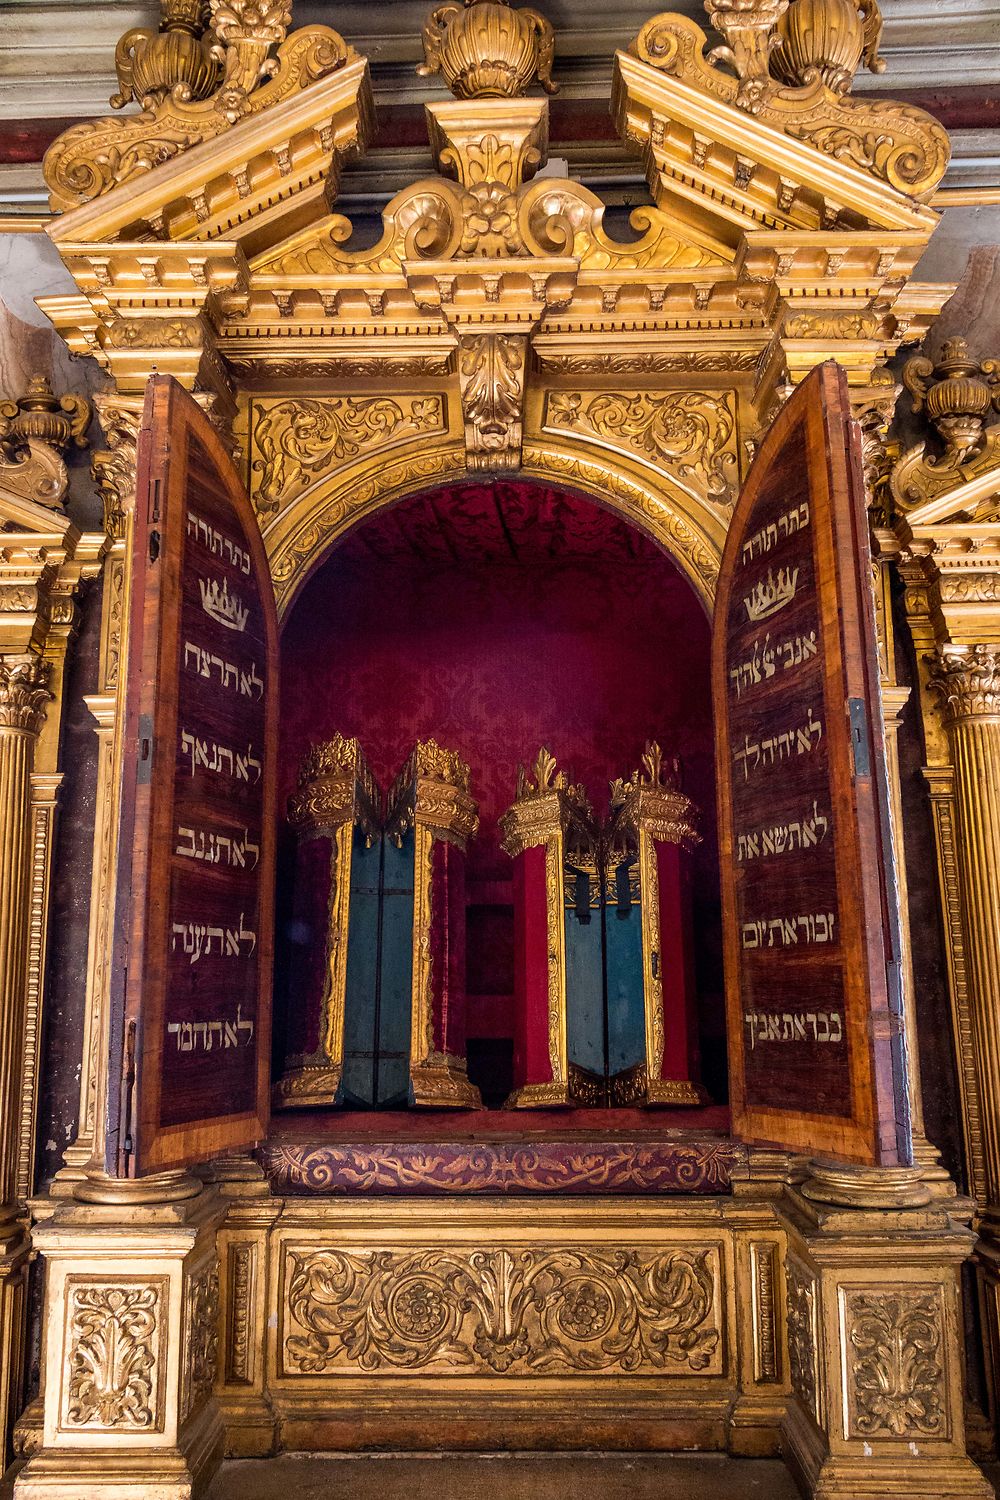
(540, 777)
(485, 50)
(959, 393)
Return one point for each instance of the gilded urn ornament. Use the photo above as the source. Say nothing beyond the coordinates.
(179, 57)
(827, 39)
(40, 416)
(959, 393)
(485, 50)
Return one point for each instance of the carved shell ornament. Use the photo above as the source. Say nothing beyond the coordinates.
(485, 50)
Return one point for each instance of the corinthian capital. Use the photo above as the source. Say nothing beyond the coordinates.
(114, 467)
(966, 679)
(24, 692)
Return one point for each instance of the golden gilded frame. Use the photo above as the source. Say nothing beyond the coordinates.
(496, 326)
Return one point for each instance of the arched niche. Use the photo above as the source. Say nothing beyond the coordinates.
(497, 615)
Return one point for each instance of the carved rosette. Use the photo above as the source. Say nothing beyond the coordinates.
(966, 681)
(24, 693)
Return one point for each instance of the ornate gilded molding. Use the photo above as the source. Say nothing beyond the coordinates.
(691, 434)
(491, 379)
(24, 692)
(201, 1332)
(327, 780)
(803, 1337)
(294, 441)
(502, 1312)
(95, 157)
(484, 49)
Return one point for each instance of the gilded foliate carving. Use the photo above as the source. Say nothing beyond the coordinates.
(895, 1387)
(803, 1336)
(114, 1336)
(32, 470)
(201, 1315)
(295, 442)
(114, 467)
(966, 682)
(334, 784)
(959, 393)
(491, 377)
(692, 433)
(24, 692)
(506, 1312)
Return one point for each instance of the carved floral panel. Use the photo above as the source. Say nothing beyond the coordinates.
(296, 441)
(894, 1354)
(538, 1311)
(114, 1362)
(689, 433)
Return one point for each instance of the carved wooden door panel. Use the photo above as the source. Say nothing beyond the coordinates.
(810, 931)
(194, 913)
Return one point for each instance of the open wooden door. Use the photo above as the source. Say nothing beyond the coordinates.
(189, 1074)
(809, 915)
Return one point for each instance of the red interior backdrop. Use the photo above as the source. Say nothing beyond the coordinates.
(497, 617)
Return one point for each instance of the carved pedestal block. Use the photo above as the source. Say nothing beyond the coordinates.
(873, 1340)
(131, 1338)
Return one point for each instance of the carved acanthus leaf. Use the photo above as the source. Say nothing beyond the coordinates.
(112, 1370)
(24, 692)
(897, 1379)
(491, 378)
(114, 467)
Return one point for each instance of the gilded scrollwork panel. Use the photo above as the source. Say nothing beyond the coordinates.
(293, 442)
(691, 434)
(114, 1354)
(893, 1348)
(505, 1312)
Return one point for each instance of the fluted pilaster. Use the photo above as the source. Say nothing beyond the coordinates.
(966, 682)
(23, 695)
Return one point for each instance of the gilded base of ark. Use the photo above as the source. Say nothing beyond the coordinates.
(740, 1315)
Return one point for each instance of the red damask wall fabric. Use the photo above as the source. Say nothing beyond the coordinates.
(498, 617)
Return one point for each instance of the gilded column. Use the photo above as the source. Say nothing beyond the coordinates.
(23, 695)
(967, 682)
